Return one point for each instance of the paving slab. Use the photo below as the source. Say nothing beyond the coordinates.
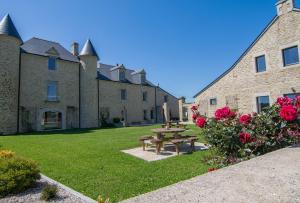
(271, 178)
(167, 152)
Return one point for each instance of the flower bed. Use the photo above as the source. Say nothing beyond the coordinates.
(237, 137)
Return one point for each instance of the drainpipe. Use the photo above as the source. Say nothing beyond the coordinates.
(79, 97)
(155, 106)
(19, 91)
(98, 100)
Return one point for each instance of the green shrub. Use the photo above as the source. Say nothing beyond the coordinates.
(49, 192)
(116, 120)
(17, 174)
(238, 137)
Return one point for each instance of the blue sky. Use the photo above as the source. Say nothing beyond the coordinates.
(182, 44)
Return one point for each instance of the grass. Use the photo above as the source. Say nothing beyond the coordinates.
(90, 161)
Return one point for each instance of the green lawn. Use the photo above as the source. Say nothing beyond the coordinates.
(90, 161)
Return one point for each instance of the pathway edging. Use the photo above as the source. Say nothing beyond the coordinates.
(75, 193)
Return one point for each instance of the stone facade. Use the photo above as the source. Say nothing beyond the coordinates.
(9, 83)
(185, 112)
(33, 95)
(241, 85)
(62, 90)
(133, 109)
(88, 92)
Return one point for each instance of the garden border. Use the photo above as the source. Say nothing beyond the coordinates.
(75, 193)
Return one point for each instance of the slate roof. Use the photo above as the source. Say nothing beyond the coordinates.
(240, 58)
(41, 47)
(88, 50)
(7, 27)
(105, 72)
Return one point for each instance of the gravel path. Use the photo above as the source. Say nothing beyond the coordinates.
(272, 178)
(33, 195)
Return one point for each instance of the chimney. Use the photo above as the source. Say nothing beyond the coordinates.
(74, 49)
(284, 6)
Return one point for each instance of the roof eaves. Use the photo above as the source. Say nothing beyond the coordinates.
(167, 92)
(240, 58)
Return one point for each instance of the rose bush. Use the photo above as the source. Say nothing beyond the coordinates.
(238, 137)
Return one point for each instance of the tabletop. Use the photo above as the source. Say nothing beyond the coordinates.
(169, 130)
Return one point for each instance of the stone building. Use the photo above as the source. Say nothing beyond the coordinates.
(268, 69)
(43, 86)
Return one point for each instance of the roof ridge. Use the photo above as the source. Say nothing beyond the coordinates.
(45, 40)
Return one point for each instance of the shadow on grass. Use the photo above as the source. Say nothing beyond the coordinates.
(64, 132)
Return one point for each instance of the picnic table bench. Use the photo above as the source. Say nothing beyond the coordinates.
(176, 140)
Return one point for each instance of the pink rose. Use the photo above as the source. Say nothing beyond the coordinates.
(245, 119)
(245, 137)
(288, 113)
(224, 113)
(201, 122)
(283, 101)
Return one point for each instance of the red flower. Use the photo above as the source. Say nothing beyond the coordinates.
(298, 102)
(195, 116)
(195, 108)
(283, 101)
(201, 122)
(224, 113)
(288, 113)
(245, 119)
(245, 137)
(211, 169)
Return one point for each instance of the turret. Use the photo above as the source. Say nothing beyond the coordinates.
(10, 42)
(88, 86)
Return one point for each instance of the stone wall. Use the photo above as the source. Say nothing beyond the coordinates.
(172, 103)
(88, 92)
(34, 82)
(9, 83)
(132, 109)
(240, 87)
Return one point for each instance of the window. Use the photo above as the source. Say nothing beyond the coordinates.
(145, 115)
(262, 102)
(213, 101)
(122, 75)
(123, 95)
(145, 96)
(152, 114)
(260, 62)
(166, 98)
(292, 95)
(51, 120)
(52, 91)
(143, 78)
(51, 63)
(290, 56)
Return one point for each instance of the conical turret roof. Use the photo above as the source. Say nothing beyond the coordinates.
(7, 27)
(88, 50)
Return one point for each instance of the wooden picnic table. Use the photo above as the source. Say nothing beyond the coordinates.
(160, 132)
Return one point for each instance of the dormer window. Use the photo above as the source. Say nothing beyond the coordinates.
(143, 78)
(51, 63)
(121, 75)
